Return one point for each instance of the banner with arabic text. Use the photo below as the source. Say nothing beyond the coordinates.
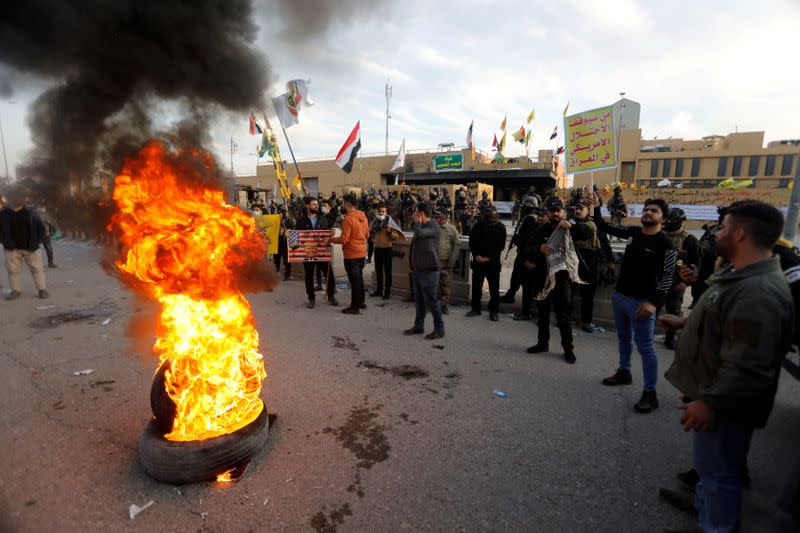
(590, 140)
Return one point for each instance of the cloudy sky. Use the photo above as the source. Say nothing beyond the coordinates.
(697, 68)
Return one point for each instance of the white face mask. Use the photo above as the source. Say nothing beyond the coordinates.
(381, 217)
(325, 210)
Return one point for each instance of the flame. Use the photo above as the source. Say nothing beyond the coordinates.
(183, 244)
(226, 476)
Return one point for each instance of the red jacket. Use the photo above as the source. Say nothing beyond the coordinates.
(355, 232)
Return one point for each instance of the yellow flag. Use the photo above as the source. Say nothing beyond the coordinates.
(503, 125)
(566, 108)
(270, 226)
(502, 145)
(531, 116)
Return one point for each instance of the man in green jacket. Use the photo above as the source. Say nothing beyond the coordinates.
(728, 360)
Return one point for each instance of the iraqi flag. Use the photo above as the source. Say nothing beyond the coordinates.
(350, 149)
(555, 132)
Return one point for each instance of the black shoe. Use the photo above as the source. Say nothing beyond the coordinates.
(414, 331)
(473, 312)
(43, 294)
(569, 357)
(588, 327)
(334, 302)
(362, 306)
(538, 348)
(493, 317)
(375, 293)
(620, 377)
(669, 340)
(689, 478)
(350, 311)
(435, 334)
(311, 304)
(647, 403)
(52, 265)
(445, 309)
(521, 316)
(507, 299)
(680, 500)
(385, 296)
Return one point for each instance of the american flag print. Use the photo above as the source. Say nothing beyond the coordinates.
(309, 245)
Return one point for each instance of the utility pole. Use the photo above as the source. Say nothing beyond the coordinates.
(5, 157)
(790, 230)
(388, 116)
(232, 148)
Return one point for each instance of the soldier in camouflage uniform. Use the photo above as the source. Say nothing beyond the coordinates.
(617, 207)
(448, 253)
(688, 248)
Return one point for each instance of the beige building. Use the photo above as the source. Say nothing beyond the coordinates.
(702, 163)
(699, 163)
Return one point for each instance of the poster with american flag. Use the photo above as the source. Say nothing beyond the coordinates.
(309, 245)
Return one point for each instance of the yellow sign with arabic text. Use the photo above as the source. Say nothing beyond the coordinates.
(590, 140)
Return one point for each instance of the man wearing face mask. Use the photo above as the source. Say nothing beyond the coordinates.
(688, 248)
(559, 296)
(646, 274)
(383, 235)
(486, 242)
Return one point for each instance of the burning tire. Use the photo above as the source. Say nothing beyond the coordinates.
(182, 462)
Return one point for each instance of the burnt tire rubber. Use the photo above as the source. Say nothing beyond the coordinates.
(194, 461)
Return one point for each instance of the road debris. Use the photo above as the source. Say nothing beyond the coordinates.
(83, 372)
(500, 393)
(134, 510)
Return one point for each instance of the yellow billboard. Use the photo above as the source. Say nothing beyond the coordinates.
(590, 140)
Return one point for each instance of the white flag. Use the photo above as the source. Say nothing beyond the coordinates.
(664, 183)
(401, 157)
(289, 104)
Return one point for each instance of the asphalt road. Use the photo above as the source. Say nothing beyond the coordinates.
(355, 447)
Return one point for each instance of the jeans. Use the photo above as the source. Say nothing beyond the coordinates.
(355, 275)
(559, 297)
(309, 268)
(630, 329)
(718, 459)
(491, 273)
(383, 269)
(425, 284)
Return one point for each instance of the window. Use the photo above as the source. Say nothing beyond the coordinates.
(654, 168)
(666, 169)
(737, 166)
(769, 169)
(695, 167)
(753, 168)
(786, 166)
(311, 185)
(679, 168)
(722, 167)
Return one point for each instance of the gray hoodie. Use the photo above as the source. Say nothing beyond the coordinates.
(424, 256)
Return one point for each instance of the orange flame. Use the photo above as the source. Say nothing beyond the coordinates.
(184, 245)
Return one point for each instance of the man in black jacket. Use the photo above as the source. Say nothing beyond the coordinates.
(527, 224)
(424, 262)
(21, 233)
(536, 252)
(312, 219)
(645, 276)
(486, 242)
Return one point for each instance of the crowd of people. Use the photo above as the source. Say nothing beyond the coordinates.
(728, 356)
(743, 279)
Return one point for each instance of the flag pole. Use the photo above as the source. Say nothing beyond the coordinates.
(294, 160)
